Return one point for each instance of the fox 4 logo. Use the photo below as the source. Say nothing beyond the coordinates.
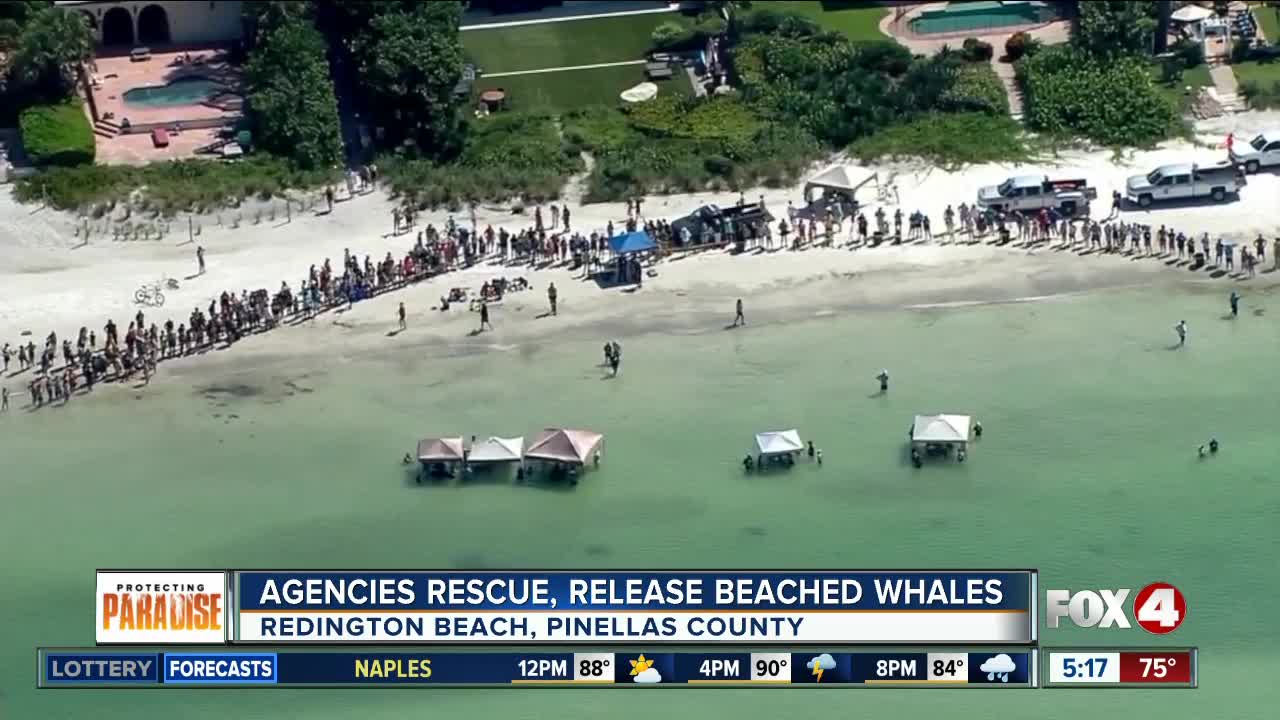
(1158, 608)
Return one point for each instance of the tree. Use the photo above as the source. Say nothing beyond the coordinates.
(290, 96)
(410, 64)
(1164, 15)
(51, 47)
(1109, 29)
(262, 17)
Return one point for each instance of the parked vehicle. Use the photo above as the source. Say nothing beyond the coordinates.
(1262, 151)
(714, 217)
(1032, 193)
(1185, 182)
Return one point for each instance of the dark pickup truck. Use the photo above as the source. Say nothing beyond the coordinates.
(713, 218)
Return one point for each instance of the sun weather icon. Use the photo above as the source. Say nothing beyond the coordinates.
(643, 671)
(998, 667)
(819, 665)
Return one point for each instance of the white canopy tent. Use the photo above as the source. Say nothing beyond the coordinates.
(779, 442)
(497, 450)
(1191, 14)
(844, 180)
(643, 92)
(941, 429)
(1193, 19)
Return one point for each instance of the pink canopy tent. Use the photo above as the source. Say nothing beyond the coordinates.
(441, 450)
(574, 447)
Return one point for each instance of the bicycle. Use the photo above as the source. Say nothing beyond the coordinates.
(149, 295)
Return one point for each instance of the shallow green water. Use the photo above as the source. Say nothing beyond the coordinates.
(1088, 471)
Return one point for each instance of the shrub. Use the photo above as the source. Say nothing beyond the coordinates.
(975, 50)
(768, 20)
(676, 35)
(1114, 102)
(947, 139)
(57, 134)
(976, 89)
(1261, 96)
(508, 155)
(169, 187)
(1016, 46)
(668, 35)
(1191, 52)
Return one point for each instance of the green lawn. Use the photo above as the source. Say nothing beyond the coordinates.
(562, 44)
(1262, 75)
(1195, 78)
(858, 23)
(1269, 22)
(1265, 74)
(563, 91)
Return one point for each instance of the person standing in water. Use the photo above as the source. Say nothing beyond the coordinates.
(1235, 304)
(615, 357)
(739, 318)
(883, 377)
(403, 324)
(484, 316)
(1181, 329)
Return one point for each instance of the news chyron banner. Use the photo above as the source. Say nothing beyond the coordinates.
(589, 607)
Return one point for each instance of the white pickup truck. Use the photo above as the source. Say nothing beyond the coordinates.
(1185, 182)
(1262, 151)
(1032, 193)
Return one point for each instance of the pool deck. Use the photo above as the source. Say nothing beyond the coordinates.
(898, 25)
(112, 75)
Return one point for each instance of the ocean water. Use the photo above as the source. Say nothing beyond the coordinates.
(1087, 470)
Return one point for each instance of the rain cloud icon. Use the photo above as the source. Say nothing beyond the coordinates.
(998, 666)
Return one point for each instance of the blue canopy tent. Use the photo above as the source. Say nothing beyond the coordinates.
(632, 242)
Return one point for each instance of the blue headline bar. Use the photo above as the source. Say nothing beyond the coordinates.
(602, 591)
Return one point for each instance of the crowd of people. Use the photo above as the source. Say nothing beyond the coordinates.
(60, 369)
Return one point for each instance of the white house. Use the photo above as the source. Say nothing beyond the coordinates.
(129, 23)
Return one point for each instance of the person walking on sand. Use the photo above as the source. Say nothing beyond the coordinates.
(200, 259)
(1181, 329)
(328, 198)
(1235, 304)
(403, 324)
(484, 316)
(395, 219)
(739, 318)
(551, 297)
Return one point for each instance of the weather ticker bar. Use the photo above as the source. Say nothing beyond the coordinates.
(201, 667)
(1121, 667)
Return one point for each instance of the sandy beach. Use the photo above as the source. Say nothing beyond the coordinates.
(54, 280)
(285, 450)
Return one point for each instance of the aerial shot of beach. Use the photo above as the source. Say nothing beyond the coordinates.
(284, 433)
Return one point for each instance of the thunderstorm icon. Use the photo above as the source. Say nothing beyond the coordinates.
(819, 665)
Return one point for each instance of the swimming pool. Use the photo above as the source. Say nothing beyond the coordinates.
(965, 16)
(184, 91)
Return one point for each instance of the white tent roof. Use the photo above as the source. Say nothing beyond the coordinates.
(779, 442)
(842, 177)
(640, 93)
(497, 449)
(941, 428)
(440, 450)
(1191, 13)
